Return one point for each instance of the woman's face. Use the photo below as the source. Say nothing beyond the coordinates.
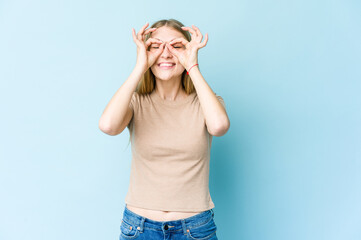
(161, 71)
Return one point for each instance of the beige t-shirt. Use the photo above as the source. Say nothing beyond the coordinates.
(170, 154)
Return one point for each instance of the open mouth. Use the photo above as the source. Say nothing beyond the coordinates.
(166, 65)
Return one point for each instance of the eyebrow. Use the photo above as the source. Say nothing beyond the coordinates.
(163, 41)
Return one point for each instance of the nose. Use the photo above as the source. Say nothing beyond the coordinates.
(166, 53)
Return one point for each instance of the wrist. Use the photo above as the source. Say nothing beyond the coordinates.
(191, 66)
(188, 66)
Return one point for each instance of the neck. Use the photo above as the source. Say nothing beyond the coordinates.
(170, 89)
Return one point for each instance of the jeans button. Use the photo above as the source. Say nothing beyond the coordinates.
(166, 227)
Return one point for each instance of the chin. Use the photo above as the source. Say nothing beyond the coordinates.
(165, 76)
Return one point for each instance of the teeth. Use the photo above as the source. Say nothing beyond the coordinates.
(166, 64)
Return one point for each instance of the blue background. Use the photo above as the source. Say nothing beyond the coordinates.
(289, 72)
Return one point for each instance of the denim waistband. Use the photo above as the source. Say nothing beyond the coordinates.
(141, 222)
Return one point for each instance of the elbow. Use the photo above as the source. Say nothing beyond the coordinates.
(106, 128)
(220, 128)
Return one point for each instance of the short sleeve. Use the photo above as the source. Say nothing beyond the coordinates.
(220, 99)
(133, 101)
(134, 106)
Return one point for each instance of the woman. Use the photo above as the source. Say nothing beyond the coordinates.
(171, 114)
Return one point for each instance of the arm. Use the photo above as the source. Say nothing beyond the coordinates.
(216, 117)
(117, 113)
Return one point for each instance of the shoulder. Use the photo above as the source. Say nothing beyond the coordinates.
(139, 99)
(140, 96)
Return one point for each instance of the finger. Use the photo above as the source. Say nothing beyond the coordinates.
(184, 42)
(149, 30)
(151, 41)
(199, 34)
(194, 31)
(160, 50)
(135, 39)
(157, 53)
(177, 40)
(141, 31)
(191, 30)
(204, 42)
(172, 50)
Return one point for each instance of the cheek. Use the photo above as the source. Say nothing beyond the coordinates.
(179, 65)
(153, 68)
(180, 68)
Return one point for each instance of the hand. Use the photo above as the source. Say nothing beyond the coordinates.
(189, 56)
(145, 58)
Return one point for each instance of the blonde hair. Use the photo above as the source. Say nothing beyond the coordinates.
(147, 83)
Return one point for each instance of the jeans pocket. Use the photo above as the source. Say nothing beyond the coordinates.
(204, 231)
(128, 230)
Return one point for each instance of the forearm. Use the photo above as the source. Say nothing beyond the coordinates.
(216, 117)
(115, 111)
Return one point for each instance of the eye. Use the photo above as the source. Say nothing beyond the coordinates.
(154, 46)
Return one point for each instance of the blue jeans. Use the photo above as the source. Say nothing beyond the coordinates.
(198, 227)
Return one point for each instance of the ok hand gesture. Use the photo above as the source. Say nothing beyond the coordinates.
(145, 58)
(188, 56)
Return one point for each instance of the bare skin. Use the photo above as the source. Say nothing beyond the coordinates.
(168, 87)
(161, 216)
(166, 45)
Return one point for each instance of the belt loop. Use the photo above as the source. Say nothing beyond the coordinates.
(184, 227)
(212, 212)
(142, 224)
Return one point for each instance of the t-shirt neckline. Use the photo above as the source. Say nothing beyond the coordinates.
(177, 102)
